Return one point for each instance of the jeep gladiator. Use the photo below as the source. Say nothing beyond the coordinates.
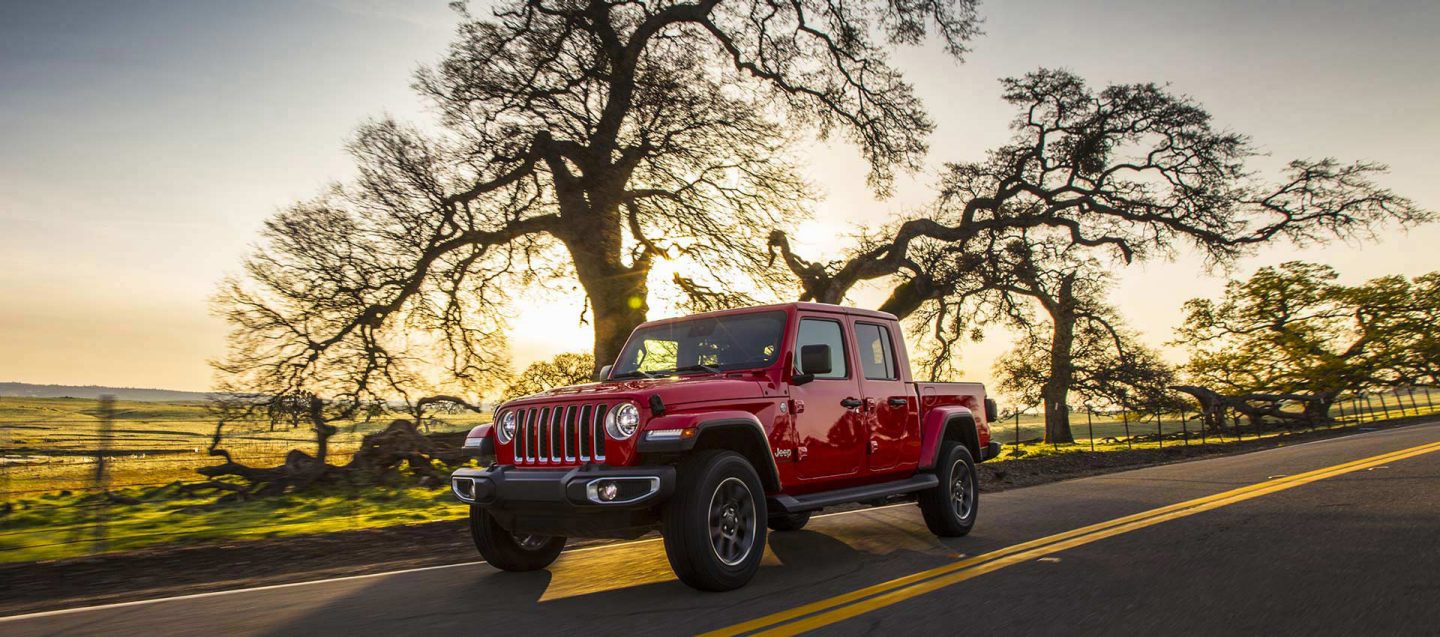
(716, 427)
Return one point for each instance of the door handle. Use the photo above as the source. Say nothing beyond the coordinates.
(851, 403)
(898, 402)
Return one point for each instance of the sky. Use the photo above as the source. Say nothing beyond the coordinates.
(142, 144)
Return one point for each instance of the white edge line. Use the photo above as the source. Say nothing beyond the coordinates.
(270, 587)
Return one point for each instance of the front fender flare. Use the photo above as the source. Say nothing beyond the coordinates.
(705, 422)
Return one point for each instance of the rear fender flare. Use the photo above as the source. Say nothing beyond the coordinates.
(947, 423)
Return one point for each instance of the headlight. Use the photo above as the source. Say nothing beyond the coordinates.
(506, 431)
(622, 421)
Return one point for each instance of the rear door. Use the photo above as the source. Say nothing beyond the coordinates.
(831, 435)
(890, 407)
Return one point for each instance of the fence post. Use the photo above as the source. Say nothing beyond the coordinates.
(1428, 404)
(1235, 420)
(1369, 406)
(1384, 408)
(1184, 428)
(1411, 390)
(1017, 430)
(1090, 425)
(102, 471)
(1125, 413)
(5, 506)
(1159, 428)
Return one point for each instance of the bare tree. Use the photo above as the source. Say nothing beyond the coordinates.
(577, 138)
(1080, 345)
(1133, 169)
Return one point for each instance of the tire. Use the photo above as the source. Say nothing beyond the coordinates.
(719, 486)
(503, 550)
(789, 521)
(950, 508)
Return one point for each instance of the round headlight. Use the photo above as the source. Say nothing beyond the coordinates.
(506, 431)
(622, 421)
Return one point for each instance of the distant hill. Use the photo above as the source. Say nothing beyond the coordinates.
(27, 390)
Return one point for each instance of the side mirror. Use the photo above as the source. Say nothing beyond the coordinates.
(604, 373)
(814, 360)
(992, 410)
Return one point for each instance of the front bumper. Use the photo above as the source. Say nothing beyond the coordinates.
(583, 487)
(568, 502)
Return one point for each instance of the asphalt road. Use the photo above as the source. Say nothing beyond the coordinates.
(1249, 544)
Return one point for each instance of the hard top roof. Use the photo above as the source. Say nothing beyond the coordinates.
(804, 306)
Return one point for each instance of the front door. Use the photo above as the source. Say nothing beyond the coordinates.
(891, 410)
(827, 409)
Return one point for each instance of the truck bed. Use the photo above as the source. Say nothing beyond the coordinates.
(969, 395)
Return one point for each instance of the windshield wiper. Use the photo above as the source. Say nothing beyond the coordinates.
(661, 373)
(696, 368)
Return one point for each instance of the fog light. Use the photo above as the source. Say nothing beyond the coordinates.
(608, 491)
(464, 489)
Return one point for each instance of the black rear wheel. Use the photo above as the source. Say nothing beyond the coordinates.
(508, 551)
(714, 524)
(951, 507)
(789, 521)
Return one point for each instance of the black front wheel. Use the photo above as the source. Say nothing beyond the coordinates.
(508, 551)
(715, 523)
(950, 507)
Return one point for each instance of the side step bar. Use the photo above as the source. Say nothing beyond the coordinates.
(814, 501)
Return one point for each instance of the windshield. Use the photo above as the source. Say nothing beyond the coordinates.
(710, 344)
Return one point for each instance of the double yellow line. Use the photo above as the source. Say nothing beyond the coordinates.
(841, 607)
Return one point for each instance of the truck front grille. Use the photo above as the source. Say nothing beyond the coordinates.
(558, 435)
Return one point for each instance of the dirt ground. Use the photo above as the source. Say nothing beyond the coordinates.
(166, 571)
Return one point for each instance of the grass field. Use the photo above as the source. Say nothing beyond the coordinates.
(54, 505)
(55, 509)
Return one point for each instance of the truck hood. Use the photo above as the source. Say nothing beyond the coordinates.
(672, 391)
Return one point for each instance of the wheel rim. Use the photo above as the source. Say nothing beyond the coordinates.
(732, 521)
(962, 498)
(531, 542)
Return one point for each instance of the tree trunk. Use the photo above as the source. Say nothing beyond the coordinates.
(618, 294)
(619, 304)
(1056, 392)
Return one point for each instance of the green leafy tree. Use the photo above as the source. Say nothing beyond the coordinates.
(1292, 330)
(571, 368)
(1410, 352)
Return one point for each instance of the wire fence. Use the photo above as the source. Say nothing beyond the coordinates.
(84, 477)
(1024, 429)
(115, 479)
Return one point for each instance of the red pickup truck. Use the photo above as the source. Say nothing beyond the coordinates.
(714, 427)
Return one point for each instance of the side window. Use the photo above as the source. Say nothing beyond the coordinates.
(877, 355)
(823, 332)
